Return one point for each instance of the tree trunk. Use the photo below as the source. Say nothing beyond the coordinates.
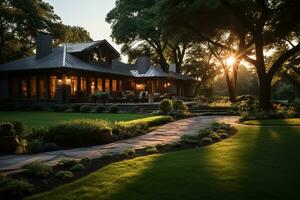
(265, 95)
(231, 88)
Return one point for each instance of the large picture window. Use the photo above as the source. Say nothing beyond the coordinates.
(24, 87)
(100, 85)
(114, 85)
(92, 85)
(33, 86)
(42, 87)
(53, 86)
(74, 85)
(82, 83)
(107, 85)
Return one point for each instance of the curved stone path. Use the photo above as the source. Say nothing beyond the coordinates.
(165, 134)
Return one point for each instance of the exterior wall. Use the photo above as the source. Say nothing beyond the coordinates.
(67, 86)
(4, 87)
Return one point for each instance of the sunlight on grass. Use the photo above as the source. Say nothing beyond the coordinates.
(279, 122)
(256, 163)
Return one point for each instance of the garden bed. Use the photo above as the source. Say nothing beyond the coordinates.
(48, 183)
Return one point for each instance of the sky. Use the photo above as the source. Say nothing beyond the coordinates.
(89, 14)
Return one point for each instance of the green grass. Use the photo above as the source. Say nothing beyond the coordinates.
(38, 119)
(271, 122)
(256, 163)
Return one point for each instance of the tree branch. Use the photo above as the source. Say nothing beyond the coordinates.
(277, 64)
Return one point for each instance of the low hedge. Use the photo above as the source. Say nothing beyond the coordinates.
(154, 121)
(80, 133)
(91, 132)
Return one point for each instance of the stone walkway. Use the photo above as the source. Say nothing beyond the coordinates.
(165, 134)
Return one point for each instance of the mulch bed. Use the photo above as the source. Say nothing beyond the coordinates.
(43, 185)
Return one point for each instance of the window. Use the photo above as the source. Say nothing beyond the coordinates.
(82, 83)
(73, 85)
(100, 86)
(92, 84)
(114, 85)
(121, 85)
(42, 87)
(24, 87)
(107, 85)
(33, 86)
(53, 86)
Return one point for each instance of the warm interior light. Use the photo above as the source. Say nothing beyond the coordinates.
(230, 60)
(59, 81)
(68, 81)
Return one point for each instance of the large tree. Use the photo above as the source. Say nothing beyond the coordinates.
(135, 24)
(21, 20)
(263, 26)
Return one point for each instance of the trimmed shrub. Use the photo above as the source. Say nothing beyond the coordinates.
(77, 167)
(100, 109)
(37, 133)
(179, 105)
(129, 129)
(106, 156)
(165, 106)
(114, 109)
(38, 169)
(153, 121)
(68, 162)
(18, 127)
(85, 109)
(56, 108)
(223, 135)
(152, 150)
(129, 152)
(75, 107)
(206, 141)
(14, 188)
(80, 133)
(8, 139)
(189, 139)
(35, 146)
(85, 160)
(50, 147)
(215, 137)
(64, 175)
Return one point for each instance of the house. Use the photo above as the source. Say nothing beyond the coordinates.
(71, 72)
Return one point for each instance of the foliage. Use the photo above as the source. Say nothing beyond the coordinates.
(50, 147)
(179, 105)
(151, 150)
(77, 167)
(68, 162)
(165, 106)
(8, 139)
(206, 141)
(153, 121)
(129, 152)
(189, 139)
(114, 109)
(80, 133)
(76, 107)
(123, 130)
(39, 169)
(18, 127)
(85, 109)
(65, 175)
(35, 146)
(37, 133)
(13, 188)
(102, 96)
(100, 109)
(249, 28)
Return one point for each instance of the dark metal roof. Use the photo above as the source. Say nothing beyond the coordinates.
(64, 57)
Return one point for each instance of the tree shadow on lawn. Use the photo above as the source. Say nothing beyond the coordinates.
(257, 163)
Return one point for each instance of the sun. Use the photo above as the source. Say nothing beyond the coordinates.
(230, 60)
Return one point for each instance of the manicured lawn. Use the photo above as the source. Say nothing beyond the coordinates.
(270, 122)
(256, 163)
(38, 119)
